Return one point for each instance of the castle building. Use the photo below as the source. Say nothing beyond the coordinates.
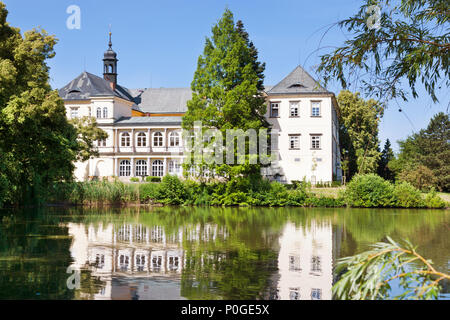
(144, 127)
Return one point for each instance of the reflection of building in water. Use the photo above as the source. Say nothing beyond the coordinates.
(118, 255)
(305, 263)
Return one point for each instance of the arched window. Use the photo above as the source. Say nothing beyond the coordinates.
(99, 113)
(125, 168)
(174, 167)
(141, 139)
(105, 113)
(157, 168)
(141, 168)
(125, 140)
(174, 139)
(158, 139)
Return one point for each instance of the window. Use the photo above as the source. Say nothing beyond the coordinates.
(141, 168)
(174, 263)
(275, 110)
(156, 263)
(316, 265)
(125, 141)
(141, 139)
(100, 261)
(99, 113)
(294, 142)
(158, 139)
(73, 113)
(174, 139)
(124, 262)
(101, 143)
(174, 167)
(315, 109)
(294, 293)
(294, 109)
(315, 142)
(105, 113)
(140, 262)
(125, 168)
(157, 168)
(294, 263)
(316, 294)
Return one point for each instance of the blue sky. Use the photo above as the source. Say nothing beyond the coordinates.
(158, 42)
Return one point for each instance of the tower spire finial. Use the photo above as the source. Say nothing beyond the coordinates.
(110, 37)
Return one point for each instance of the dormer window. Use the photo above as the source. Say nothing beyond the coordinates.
(74, 91)
(297, 85)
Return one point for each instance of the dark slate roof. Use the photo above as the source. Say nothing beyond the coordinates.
(163, 100)
(87, 86)
(143, 121)
(298, 81)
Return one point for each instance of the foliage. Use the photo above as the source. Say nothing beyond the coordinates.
(387, 155)
(148, 192)
(359, 120)
(171, 191)
(369, 275)
(153, 179)
(369, 191)
(134, 179)
(227, 94)
(432, 200)
(411, 43)
(88, 132)
(424, 158)
(38, 143)
(407, 196)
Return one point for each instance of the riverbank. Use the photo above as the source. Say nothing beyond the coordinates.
(368, 191)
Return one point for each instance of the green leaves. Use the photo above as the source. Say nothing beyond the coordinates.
(227, 86)
(411, 44)
(369, 275)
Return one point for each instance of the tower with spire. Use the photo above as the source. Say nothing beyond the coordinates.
(110, 65)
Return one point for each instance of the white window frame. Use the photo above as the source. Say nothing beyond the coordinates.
(101, 143)
(174, 139)
(158, 168)
(99, 113)
(314, 106)
(105, 113)
(158, 139)
(125, 168)
(74, 112)
(174, 167)
(292, 139)
(294, 106)
(316, 142)
(125, 139)
(275, 106)
(141, 168)
(141, 140)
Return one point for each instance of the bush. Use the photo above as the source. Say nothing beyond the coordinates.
(134, 179)
(407, 196)
(148, 192)
(153, 179)
(171, 191)
(369, 191)
(324, 202)
(433, 201)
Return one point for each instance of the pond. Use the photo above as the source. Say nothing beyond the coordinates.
(199, 253)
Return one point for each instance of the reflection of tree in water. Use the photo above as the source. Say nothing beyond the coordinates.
(34, 256)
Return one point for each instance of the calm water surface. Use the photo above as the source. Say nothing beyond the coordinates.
(199, 253)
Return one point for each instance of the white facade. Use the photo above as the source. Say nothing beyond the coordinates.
(142, 142)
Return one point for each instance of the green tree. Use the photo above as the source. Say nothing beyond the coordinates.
(38, 143)
(424, 158)
(359, 120)
(387, 155)
(411, 44)
(227, 90)
(88, 132)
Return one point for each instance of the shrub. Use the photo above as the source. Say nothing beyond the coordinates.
(369, 191)
(134, 179)
(324, 202)
(148, 192)
(171, 191)
(433, 201)
(407, 196)
(153, 179)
